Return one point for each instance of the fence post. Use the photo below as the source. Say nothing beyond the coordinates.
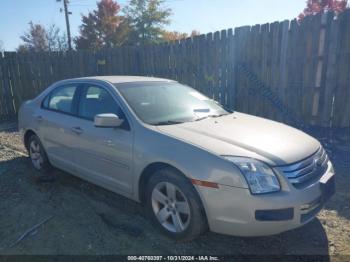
(231, 87)
(7, 94)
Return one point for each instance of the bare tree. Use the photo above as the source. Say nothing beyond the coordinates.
(1, 46)
(40, 39)
(34, 39)
(56, 39)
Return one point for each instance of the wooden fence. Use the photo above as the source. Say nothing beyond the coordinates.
(259, 69)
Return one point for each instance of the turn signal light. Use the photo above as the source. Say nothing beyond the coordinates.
(204, 183)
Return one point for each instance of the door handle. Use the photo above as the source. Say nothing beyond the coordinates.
(77, 130)
(39, 118)
(109, 143)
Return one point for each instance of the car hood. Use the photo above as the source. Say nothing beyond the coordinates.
(244, 135)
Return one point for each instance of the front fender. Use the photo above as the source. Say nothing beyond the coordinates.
(194, 162)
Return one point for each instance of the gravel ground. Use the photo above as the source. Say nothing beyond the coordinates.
(86, 219)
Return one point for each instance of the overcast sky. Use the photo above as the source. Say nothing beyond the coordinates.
(202, 15)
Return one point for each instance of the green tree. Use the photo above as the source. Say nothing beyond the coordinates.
(103, 28)
(147, 19)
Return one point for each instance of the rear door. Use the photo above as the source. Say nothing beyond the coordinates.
(56, 118)
(103, 155)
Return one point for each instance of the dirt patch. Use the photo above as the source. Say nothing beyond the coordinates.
(90, 220)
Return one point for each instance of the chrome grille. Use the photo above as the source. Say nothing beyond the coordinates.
(303, 173)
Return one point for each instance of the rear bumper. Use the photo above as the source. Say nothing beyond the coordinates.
(234, 211)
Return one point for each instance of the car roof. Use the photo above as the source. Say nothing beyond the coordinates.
(124, 79)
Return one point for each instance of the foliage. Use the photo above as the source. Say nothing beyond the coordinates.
(195, 33)
(34, 39)
(39, 39)
(170, 36)
(317, 6)
(147, 19)
(103, 28)
(56, 40)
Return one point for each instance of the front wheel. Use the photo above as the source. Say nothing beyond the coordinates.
(37, 154)
(174, 206)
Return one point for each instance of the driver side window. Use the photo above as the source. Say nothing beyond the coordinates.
(61, 99)
(96, 100)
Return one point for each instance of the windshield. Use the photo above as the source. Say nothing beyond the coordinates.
(162, 103)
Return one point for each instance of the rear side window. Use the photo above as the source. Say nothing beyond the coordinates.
(96, 100)
(61, 99)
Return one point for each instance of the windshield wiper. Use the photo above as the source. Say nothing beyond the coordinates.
(212, 116)
(220, 115)
(167, 123)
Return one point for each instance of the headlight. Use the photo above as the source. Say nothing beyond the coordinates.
(260, 178)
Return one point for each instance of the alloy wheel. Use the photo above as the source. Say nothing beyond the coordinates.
(171, 207)
(36, 154)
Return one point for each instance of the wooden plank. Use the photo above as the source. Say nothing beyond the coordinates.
(3, 108)
(22, 68)
(248, 56)
(244, 83)
(8, 99)
(326, 56)
(172, 64)
(265, 64)
(345, 47)
(216, 66)
(283, 72)
(34, 64)
(317, 68)
(201, 64)
(12, 88)
(44, 71)
(230, 70)
(311, 34)
(305, 54)
(191, 62)
(253, 60)
(209, 66)
(292, 77)
(237, 72)
(275, 60)
(195, 63)
(341, 116)
(223, 68)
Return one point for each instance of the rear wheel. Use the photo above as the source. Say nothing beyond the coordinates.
(37, 154)
(174, 206)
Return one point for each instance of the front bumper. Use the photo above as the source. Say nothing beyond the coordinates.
(234, 211)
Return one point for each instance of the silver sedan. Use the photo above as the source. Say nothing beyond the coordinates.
(193, 164)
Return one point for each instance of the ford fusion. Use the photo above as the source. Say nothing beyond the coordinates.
(193, 164)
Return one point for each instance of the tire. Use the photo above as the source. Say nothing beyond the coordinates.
(38, 155)
(178, 215)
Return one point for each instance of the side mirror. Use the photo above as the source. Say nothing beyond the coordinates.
(108, 120)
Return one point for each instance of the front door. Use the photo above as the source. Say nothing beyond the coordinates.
(103, 155)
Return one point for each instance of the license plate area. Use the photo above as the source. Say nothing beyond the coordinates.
(328, 189)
